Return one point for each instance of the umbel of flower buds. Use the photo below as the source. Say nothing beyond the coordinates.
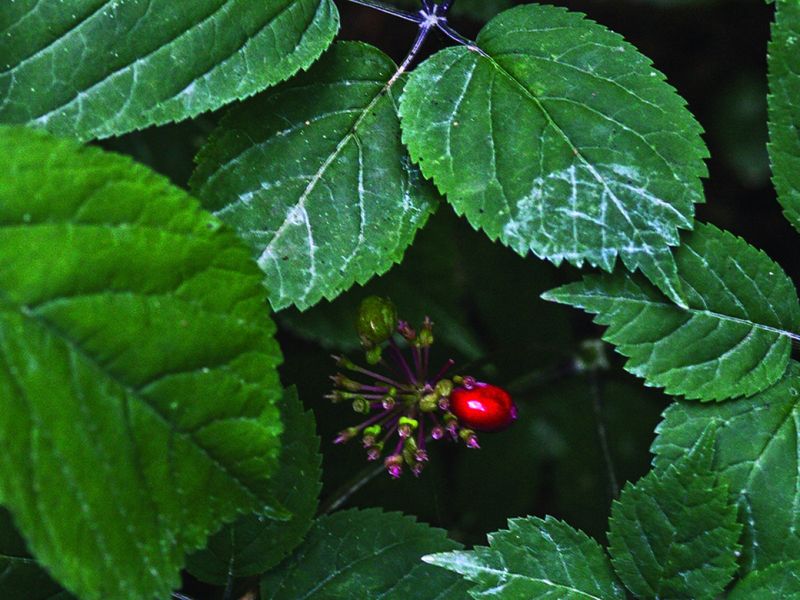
(408, 407)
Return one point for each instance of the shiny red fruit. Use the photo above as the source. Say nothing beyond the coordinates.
(483, 407)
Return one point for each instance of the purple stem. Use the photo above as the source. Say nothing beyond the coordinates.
(417, 363)
(401, 361)
(445, 368)
(426, 356)
(375, 388)
(374, 419)
(374, 375)
(389, 10)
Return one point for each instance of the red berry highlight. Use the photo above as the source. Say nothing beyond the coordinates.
(483, 407)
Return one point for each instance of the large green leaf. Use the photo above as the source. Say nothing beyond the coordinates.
(255, 543)
(780, 581)
(562, 140)
(95, 68)
(365, 554)
(674, 534)
(535, 558)
(137, 369)
(734, 339)
(784, 106)
(20, 573)
(314, 177)
(756, 452)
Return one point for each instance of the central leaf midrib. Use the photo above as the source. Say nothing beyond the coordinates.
(694, 311)
(315, 179)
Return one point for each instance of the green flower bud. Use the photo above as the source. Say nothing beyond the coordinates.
(444, 387)
(377, 320)
(429, 403)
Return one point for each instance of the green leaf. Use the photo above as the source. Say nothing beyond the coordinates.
(784, 107)
(137, 369)
(563, 140)
(96, 68)
(674, 534)
(254, 543)
(20, 573)
(315, 179)
(780, 581)
(429, 281)
(535, 558)
(734, 339)
(756, 453)
(365, 554)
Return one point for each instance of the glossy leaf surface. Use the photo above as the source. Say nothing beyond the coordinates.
(137, 369)
(535, 558)
(96, 68)
(365, 554)
(315, 179)
(784, 107)
(674, 533)
(734, 339)
(255, 543)
(756, 453)
(562, 140)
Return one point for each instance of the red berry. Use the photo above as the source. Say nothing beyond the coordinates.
(483, 407)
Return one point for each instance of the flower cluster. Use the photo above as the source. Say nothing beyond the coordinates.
(407, 408)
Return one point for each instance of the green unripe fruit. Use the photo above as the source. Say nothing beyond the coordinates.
(376, 322)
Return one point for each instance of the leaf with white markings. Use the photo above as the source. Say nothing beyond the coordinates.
(137, 369)
(784, 107)
(780, 581)
(674, 533)
(315, 179)
(735, 337)
(255, 543)
(96, 68)
(535, 558)
(365, 554)
(562, 140)
(756, 453)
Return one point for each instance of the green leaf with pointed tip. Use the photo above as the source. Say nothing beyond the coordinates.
(255, 543)
(535, 558)
(20, 573)
(756, 453)
(780, 581)
(784, 107)
(563, 140)
(315, 179)
(97, 68)
(735, 338)
(429, 282)
(137, 369)
(674, 533)
(365, 554)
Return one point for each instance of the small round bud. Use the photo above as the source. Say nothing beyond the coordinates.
(388, 403)
(376, 322)
(437, 432)
(361, 405)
